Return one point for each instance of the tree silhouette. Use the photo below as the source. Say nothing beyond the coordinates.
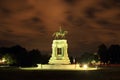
(34, 57)
(103, 53)
(9, 59)
(22, 57)
(114, 54)
(87, 57)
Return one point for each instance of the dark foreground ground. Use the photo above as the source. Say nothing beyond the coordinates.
(107, 73)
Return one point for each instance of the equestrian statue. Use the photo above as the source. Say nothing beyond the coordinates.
(60, 34)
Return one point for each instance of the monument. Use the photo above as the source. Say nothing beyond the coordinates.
(59, 48)
(59, 58)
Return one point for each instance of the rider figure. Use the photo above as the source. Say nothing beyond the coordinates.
(60, 34)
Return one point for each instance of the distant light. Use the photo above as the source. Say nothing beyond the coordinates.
(3, 60)
(85, 66)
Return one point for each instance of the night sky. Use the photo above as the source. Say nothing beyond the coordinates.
(31, 23)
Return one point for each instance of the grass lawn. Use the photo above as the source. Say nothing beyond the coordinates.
(106, 73)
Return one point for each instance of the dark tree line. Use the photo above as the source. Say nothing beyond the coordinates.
(21, 57)
(109, 55)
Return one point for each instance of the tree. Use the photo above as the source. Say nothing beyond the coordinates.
(87, 57)
(9, 59)
(34, 57)
(114, 54)
(20, 54)
(103, 53)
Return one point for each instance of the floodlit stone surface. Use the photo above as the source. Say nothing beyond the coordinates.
(59, 52)
(60, 67)
(56, 66)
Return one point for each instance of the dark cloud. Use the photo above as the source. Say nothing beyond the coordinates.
(4, 43)
(5, 11)
(105, 5)
(34, 23)
(108, 4)
(33, 20)
(117, 17)
(71, 2)
(114, 3)
(36, 19)
(90, 13)
(76, 21)
(103, 23)
(107, 24)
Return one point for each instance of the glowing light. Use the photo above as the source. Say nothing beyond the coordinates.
(3, 60)
(85, 66)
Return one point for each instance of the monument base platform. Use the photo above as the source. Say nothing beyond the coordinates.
(55, 61)
(56, 66)
(60, 67)
(63, 67)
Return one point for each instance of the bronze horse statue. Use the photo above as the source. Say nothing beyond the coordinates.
(60, 34)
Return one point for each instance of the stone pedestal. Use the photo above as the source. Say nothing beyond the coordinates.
(59, 52)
